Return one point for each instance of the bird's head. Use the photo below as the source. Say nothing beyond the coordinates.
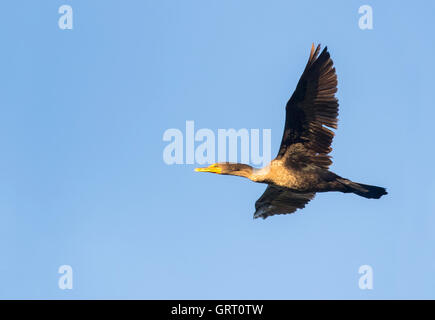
(227, 168)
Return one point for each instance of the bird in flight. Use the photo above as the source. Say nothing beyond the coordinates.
(300, 169)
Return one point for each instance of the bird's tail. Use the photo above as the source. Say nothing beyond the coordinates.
(363, 190)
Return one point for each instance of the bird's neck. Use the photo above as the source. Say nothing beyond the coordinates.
(242, 170)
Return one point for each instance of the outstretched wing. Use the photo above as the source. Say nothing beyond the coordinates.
(278, 200)
(312, 107)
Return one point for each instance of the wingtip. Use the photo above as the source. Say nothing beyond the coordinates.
(258, 213)
(312, 51)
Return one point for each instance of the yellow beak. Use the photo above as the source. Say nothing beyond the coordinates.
(213, 169)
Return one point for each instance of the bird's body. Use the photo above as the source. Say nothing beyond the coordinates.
(301, 168)
(277, 173)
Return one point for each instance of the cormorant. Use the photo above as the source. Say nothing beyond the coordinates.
(301, 166)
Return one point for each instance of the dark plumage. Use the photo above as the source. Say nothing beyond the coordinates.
(301, 166)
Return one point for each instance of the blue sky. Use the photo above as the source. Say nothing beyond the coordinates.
(83, 182)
